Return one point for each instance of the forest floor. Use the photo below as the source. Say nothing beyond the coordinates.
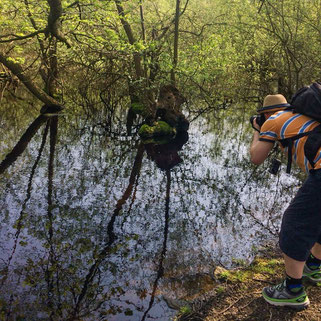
(235, 295)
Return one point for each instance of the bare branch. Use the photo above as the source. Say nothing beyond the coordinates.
(130, 36)
(261, 6)
(172, 22)
(16, 37)
(203, 28)
(176, 34)
(142, 21)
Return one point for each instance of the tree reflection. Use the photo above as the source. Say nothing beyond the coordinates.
(101, 232)
(23, 142)
(111, 237)
(10, 158)
(166, 155)
(160, 271)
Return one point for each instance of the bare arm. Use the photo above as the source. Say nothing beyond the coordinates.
(259, 150)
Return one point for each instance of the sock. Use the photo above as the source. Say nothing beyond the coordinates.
(294, 286)
(313, 263)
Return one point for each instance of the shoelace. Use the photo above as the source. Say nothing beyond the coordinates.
(280, 287)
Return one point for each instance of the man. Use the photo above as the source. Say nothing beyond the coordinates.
(300, 235)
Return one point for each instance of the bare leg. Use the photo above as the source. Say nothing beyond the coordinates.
(293, 268)
(316, 250)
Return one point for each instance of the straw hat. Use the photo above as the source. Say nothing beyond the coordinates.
(273, 103)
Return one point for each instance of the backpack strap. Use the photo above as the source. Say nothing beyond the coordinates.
(312, 144)
(288, 142)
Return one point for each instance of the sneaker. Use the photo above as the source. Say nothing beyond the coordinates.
(312, 275)
(279, 295)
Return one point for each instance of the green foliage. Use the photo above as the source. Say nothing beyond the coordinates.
(231, 50)
(138, 108)
(220, 290)
(185, 309)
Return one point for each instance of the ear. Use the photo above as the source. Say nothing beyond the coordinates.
(267, 115)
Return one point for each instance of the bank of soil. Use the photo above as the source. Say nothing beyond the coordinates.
(236, 294)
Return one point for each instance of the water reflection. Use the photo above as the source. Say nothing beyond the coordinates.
(95, 228)
(22, 143)
(166, 155)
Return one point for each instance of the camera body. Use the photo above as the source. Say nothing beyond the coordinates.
(260, 119)
(275, 165)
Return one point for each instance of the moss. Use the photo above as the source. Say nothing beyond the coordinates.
(226, 275)
(146, 131)
(159, 129)
(138, 108)
(220, 289)
(163, 129)
(262, 266)
(234, 276)
(274, 262)
(258, 269)
(185, 309)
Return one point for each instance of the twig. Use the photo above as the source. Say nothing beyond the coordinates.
(221, 312)
(261, 6)
(265, 281)
(241, 308)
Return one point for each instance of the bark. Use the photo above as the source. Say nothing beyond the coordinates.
(131, 38)
(175, 57)
(52, 72)
(142, 20)
(54, 21)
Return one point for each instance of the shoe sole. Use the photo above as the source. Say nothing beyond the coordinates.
(295, 306)
(315, 281)
(308, 274)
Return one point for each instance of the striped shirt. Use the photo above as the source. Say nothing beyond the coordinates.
(284, 124)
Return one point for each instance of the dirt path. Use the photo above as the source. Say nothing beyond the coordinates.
(236, 295)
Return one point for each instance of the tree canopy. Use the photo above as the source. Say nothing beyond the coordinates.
(97, 53)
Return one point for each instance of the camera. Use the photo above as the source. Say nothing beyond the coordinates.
(275, 165)
(260, 119)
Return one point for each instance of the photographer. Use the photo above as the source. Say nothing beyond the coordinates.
(300, 235)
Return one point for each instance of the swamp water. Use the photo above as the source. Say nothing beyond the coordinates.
(93, 229)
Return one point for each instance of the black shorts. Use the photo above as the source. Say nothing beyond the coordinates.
(301, 223)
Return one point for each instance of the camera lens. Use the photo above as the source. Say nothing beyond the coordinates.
(260, 119)
(275, 165)
(252, 119)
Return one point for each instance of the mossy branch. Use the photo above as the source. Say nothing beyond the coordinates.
(17, 70)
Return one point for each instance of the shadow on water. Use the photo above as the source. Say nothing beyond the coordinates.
(93, 230)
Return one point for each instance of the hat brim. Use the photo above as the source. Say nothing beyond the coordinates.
(272, 108)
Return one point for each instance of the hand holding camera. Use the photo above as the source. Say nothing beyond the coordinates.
(257, 121)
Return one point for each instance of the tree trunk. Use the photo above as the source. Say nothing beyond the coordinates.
(131, 38)
(175, 57)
